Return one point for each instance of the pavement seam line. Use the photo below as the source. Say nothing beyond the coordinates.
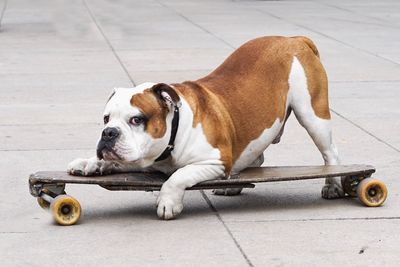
(50, 124)
(108, 42)
(212, 207)
(365, 81)
(14, 232)
(197, 25)
(386, 23)
(3, 11)
(322, 220)
(366, 131)
(329, 37)
(45, 149)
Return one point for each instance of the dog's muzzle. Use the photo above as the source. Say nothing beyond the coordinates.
(108, 138)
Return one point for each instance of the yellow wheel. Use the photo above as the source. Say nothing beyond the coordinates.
(65, 209)
(372, 192)
(43, 203)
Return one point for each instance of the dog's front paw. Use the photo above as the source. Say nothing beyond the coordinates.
(169, 203)
(84, 167)
(331, 191)
(227, 191)
(168, 209)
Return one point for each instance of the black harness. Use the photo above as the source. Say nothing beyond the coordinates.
(174, 129)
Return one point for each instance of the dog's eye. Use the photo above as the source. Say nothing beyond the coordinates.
(106, 119)
(137, 120)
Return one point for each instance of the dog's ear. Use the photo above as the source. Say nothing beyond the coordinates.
(166, 93)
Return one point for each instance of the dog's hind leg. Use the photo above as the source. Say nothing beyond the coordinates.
(321, 134)
(236, 191)
(309, 101)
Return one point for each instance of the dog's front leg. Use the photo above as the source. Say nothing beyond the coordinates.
(169, 202)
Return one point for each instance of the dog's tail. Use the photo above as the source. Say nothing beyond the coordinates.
(309, 43)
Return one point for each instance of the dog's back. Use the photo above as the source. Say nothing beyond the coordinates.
(252, 84)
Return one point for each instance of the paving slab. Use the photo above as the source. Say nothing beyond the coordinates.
(50, 136)
(48, 27)
(319, 243)
(167, 29)
(371, 105)
(79, 113)
(178, 40)
(232, 24)
(55, 62)
(173, 59)
(380, 11)
(337, 57)
(60, 88)
(333, 18)
(169, 76)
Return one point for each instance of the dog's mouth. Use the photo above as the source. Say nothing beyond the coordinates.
(111, 155)
(107, 152)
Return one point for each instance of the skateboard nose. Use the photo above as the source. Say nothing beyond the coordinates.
(110, 134)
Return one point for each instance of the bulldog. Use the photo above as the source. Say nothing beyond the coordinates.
(218, 125)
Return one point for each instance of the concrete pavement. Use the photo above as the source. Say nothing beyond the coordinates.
(59, 61)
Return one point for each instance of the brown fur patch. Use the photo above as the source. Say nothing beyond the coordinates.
(211, 112)
(317, 81)
(155, 111)
(247, 93)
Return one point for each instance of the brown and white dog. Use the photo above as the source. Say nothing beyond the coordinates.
(226, 120)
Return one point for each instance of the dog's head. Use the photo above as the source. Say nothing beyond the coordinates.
(137, 123)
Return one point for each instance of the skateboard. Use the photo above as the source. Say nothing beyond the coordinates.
(49, 187)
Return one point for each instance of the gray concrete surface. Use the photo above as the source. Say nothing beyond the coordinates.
(59, 61)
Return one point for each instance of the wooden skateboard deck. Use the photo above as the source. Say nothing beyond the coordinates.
(153, 181)
(49, 186)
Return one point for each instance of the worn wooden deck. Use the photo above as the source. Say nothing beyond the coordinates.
(154, 181)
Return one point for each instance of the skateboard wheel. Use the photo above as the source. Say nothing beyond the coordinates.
(65, 209)
(349, 185)
(43, 203)
(372, 192)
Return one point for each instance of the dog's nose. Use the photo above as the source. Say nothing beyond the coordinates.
(110, 133)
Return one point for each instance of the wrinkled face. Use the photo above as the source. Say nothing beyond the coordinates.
(136, 126)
